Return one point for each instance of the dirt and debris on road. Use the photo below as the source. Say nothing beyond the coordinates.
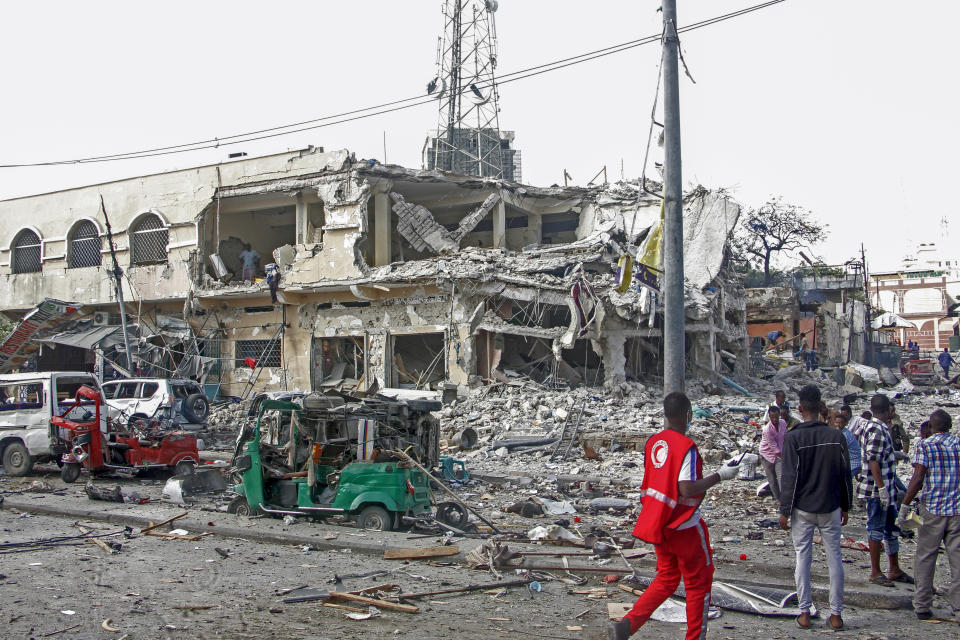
(156, 588)
(213, 574)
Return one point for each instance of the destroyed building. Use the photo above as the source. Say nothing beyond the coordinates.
(826, 306)
(410, 278)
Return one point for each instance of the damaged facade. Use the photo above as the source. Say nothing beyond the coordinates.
(410, 278)
(828, 309)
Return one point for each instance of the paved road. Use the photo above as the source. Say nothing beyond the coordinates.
(140, 588)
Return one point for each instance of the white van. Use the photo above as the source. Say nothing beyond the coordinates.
(27, 402)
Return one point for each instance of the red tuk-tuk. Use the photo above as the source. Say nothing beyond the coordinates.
(84, 444)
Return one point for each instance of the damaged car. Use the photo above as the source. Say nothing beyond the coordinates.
(336, 454)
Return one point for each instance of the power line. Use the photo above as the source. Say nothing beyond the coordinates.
(387, 107)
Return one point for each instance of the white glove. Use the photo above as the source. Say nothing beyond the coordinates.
(884, 496)
(728, 472)
(904, 514)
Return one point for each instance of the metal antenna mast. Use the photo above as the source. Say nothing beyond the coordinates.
(468, 134)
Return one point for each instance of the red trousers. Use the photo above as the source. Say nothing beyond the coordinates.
(685, 554)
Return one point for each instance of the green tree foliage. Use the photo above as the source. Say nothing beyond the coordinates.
(5, 327)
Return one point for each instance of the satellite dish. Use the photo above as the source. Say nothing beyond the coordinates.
(492, 5)
(478, 97)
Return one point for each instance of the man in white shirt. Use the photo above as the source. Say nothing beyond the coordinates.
(249, 259)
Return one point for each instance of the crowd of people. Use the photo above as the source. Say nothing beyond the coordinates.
(819, 466)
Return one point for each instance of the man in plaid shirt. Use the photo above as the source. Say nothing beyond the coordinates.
(878, 489)
(936, 469)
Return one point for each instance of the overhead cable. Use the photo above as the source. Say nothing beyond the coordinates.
(386, 107)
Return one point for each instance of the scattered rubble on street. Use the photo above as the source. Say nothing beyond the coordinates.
(562, 506)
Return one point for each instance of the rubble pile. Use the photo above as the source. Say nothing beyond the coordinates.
(224, 423)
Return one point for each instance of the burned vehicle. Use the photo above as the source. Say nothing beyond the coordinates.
(333, 454)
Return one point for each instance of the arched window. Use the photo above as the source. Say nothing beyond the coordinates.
(85, 246)
(148, 240)
(26, 252)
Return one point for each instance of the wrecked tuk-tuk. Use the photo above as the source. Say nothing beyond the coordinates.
(322, 455)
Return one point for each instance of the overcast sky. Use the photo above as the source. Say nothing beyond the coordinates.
(847, 108)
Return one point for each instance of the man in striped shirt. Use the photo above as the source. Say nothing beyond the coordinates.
(936, 470)
(877, 488)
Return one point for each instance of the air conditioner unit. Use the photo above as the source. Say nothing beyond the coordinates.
(101, 318)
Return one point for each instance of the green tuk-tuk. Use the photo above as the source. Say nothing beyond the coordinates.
(320, 470)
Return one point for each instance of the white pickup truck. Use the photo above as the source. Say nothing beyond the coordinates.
(27, 402)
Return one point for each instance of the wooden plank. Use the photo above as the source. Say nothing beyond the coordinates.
(160, 524)
(420, 552)
(100, 543)
(380, 604)
(369, 591)
(344, 607)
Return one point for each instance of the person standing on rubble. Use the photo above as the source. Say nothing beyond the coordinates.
(773, 336)
(877, 489)
(249, 259)
(853, 444)
(673, 487)
(816, 493)
(936, 470)
(780, 399)
(901, 439)
(945, 360)
(771, 449)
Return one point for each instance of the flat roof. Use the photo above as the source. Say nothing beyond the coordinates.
(160, 173)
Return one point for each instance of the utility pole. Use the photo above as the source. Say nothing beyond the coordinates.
(868, 328)
(118, 278)
(674, 363)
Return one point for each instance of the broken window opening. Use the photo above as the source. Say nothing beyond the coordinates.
(257, 350)
(337, 360)
(84, 245)
(26, 252)
(22, 396)
(313, 231)
(642, 358)
(210, 348)
(508, 357)
(418, 360)
(148, 241)
(583, 361)
(248, 237)
(560, 228)
(530, 314)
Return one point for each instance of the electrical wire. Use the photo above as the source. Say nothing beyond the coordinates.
(388, 107)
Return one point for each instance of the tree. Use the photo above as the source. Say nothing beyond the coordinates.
(776, 227)
(5, 327)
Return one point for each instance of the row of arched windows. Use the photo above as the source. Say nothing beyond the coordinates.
(148, 245)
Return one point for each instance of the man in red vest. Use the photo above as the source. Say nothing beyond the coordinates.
(673, 487)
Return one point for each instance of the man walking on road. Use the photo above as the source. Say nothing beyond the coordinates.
(877, 488)
(815, 493)
(673, 487)
(945, 360)
(936, 470)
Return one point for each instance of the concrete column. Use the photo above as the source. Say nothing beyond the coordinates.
(382, 217)
(500, 225)
(614, 359)
(534, 229)
(936, 334)
(302, 218)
